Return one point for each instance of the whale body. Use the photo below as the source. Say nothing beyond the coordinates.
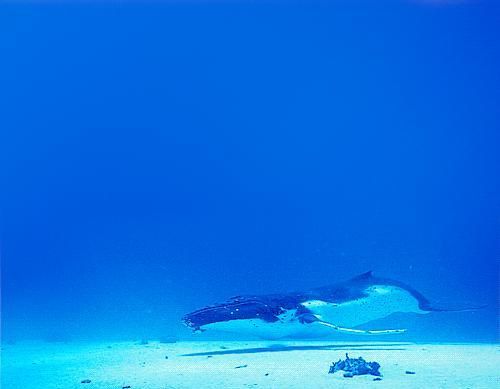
(315, 312)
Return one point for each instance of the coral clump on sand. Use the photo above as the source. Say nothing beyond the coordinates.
(355, 366)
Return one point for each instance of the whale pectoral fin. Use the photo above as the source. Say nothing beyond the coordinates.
(308, 318)
(360, 332)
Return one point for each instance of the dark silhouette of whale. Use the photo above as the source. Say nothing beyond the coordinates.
(318, 311)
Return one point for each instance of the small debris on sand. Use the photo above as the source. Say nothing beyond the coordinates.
(86, 381)
(353, 366)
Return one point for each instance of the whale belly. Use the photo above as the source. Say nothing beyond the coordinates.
(287, 325)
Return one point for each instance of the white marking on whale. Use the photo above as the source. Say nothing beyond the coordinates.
(381, 301)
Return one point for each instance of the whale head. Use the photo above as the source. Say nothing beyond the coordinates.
(237, 308)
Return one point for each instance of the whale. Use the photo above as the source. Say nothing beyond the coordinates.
(336, 308)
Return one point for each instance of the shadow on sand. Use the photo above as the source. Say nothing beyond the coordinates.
(281, 348)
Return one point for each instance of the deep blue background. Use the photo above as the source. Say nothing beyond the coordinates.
(159, 157)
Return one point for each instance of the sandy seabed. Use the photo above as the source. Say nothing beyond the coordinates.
(211, 364)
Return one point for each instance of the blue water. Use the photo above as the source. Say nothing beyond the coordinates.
(160, 157)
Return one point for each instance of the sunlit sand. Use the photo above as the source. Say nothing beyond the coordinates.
(212, 364)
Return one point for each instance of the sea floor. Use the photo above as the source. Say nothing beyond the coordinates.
(280, 365)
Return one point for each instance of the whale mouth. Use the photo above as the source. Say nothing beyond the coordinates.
(189, 323)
